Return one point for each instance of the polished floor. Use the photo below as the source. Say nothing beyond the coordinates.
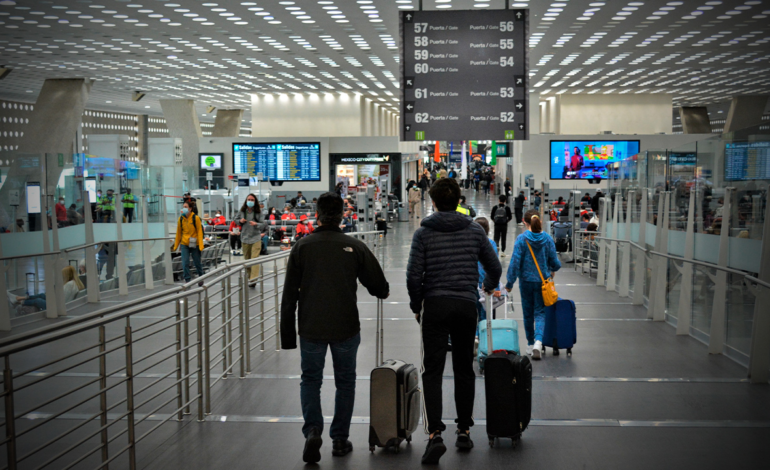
(633, 395)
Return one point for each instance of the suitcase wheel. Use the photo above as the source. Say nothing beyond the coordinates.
(569, 351)
(409, 440)
(555, 352)
(491, 442)
(371, 449)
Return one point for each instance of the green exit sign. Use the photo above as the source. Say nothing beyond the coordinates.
(508, 135)
(419, 135)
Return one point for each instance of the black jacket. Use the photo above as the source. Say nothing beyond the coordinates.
(518, 202)
(595, 202)
(424, 183)
(444, 258)
(321, 275)
(508, 215)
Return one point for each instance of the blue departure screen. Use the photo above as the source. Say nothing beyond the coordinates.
(295, 161)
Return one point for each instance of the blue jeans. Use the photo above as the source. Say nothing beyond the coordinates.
(196, 256)
(37, 300)
(534, 310)
(344, 361)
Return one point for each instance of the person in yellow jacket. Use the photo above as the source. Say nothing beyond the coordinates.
(189, 236)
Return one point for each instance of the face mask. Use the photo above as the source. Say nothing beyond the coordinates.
(250, 203)
(99, 194)
(61, 201)
(185, 211)
(219, 215)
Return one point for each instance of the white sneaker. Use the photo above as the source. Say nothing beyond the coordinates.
(529, 350)
(502, 254)
(537, 350)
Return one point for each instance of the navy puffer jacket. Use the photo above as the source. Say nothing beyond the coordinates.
(444, 256)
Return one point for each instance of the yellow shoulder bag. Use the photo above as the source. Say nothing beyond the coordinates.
(550, 296)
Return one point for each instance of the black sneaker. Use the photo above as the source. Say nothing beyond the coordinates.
(434, 450)
(312, 453)
(341, 447)
(464, 440)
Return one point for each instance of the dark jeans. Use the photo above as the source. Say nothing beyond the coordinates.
(128, 213)
(37, 300)
(444, 319)
(196, 256)
(235, 241)
(344, 361)
(422, 194)
(501, 233)
(518, 212)
(106, 216)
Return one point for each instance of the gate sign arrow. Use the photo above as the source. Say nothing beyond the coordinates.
(409, 106)
(521, 127)
(408, 17)
(408, 127)
(408, 82)
(518, 15)
(519, 105)
(519, 81)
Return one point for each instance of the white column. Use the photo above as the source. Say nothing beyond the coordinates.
(49, 264)
(5, 311)
(685, 290)
(719, 307)
(148, 281)
(612, 274)
(759, 353)
(92, 277)
(625, 268)
(58, 265)
(601, 269)
(122, 268)
(654, 259)
(166, 249)
(660, 276)
(640, 272)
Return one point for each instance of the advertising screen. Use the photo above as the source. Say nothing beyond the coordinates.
(291, 161)
(747, 161)
(211, 161)
(588, 159)
(91, 188)
(33, 198)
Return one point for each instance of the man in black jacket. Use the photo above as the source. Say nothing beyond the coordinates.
(501, 215)
(518, 207)
(442, 278)
(321, 275)
(595, 201)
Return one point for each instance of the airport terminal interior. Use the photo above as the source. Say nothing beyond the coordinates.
(168, 172)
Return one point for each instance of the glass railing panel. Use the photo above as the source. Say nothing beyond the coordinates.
(673, 290)
(702, 299)
(740, 314)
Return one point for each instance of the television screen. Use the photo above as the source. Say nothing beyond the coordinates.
(211, 161)
(289, 161)
(588, 159)
(747, 161)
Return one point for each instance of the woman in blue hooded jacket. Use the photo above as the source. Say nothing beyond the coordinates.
(523, 268)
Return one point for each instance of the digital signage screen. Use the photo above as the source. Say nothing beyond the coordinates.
(588, 159)
(747, 161)
(211, 161)
(288, 161)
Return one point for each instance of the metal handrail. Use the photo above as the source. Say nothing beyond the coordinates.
(130, 240)
(705, 264)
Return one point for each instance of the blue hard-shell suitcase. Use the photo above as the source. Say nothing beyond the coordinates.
(505, 335)
(560, 331)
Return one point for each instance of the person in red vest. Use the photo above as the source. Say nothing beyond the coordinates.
(305, 227)
(287, 214)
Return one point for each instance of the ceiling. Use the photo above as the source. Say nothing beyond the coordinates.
(219, 52)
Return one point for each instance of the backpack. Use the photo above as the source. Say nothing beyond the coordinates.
(500, 218)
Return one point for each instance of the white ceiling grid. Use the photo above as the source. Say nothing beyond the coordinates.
(217, 53)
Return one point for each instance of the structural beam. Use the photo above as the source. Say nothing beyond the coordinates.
(227, 123)
(745, 111)
(695, 120)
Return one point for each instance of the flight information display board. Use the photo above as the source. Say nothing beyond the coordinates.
(288, 161)
(464, 75)
(747, 161)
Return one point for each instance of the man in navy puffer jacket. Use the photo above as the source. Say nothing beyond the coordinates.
(442, 275)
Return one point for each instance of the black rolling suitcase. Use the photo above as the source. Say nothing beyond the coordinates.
(395, 398)
(508, 389)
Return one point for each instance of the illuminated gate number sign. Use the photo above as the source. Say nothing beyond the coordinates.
(464, 75)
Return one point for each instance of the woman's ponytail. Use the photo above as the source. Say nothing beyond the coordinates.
(532, 218)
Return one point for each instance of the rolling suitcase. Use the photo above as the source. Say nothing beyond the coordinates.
(395, 396)
(560, 331)
(505, 334)
(508, 390)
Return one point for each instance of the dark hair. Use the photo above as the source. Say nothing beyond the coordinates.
(560, 199)
(592, 228)
(586, 216)
(483, 222)
(502, 198)
(256, 207)
(270, 210)
(445, 194)
(462, 198)
(532, 218)
(329, 209)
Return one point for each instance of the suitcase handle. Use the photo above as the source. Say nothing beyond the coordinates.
(379, 354)
(489, 322)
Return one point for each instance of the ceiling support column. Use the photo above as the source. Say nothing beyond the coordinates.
(695, 120)
(745, 111)
(182, 123)
(227, 123)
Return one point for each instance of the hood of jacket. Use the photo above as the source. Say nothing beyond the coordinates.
(446, 221)
(536, 239)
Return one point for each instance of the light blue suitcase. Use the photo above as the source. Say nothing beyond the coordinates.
(505, 335)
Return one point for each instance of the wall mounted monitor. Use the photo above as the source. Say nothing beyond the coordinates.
(33, 198)
(587, 159)
(287, 161)
(747, 161)
(211, 161)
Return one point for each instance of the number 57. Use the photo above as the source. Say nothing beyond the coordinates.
(420, 27)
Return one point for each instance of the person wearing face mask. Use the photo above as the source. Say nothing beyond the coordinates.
(288, 214)
(189, 237)
(305, 227)
(108, 206)
(129, 202)
(273, 214)
(98, 206)
(61, 213)
(218, 219)
(252, 225)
